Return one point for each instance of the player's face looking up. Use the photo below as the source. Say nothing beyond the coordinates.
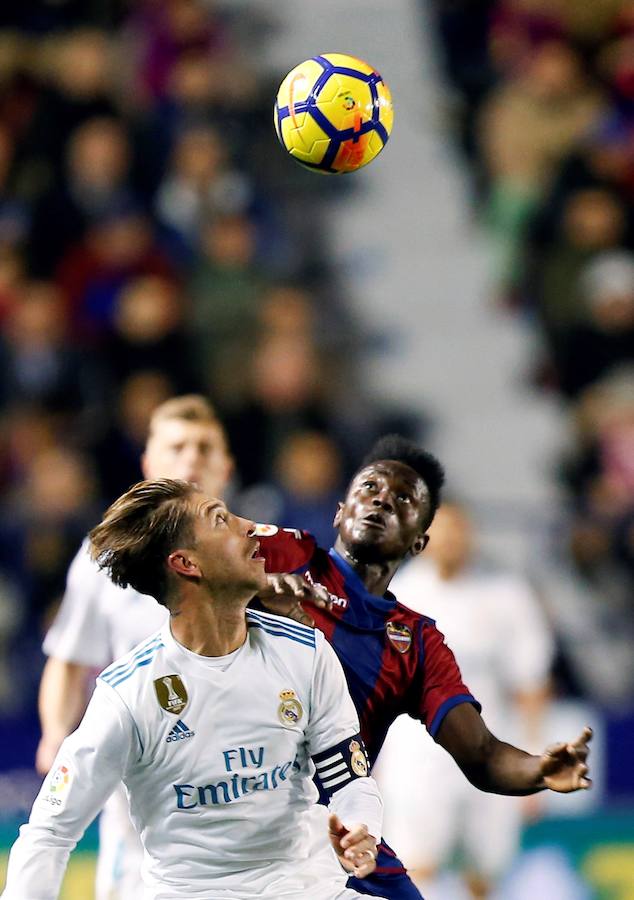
(191, 451)
(384, 513)
(224, 557)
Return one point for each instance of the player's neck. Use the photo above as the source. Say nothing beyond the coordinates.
(375, 576)
(210, 628)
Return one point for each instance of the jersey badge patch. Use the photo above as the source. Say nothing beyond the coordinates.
(290, 709)
(262, 530)
(58, 787)
(358, 759)
(171, 693)
(400, 636)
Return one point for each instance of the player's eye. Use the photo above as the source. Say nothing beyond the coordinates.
(222, 518)
(404, 498)
(369, 484)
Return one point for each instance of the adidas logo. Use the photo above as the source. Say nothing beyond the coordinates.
(179, 732)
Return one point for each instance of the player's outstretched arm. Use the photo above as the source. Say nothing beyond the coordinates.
(61, 704)
(500, 768)
(87, 768)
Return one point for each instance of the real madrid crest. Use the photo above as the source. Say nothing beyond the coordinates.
(400, 636)
(290, 709)
(358, 759)
(171, 693)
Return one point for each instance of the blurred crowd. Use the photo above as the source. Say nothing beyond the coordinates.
(154, 240)
(542, 99)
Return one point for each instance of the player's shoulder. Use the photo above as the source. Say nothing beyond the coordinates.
(133, 668)
(285, 549)
(281, 632)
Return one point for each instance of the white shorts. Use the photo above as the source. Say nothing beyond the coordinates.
(433, 813)
(120, 852)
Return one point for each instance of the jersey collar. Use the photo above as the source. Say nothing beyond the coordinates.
(364, 608)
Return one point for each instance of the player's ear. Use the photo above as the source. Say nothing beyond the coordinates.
(180, 562)
(144, 465)
(419, 544)
(336, 522)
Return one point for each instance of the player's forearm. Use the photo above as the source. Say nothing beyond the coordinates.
(504, 769)
(62, 697)
(359, 802)
(37, 864)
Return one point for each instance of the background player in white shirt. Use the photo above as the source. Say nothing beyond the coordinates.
(216, 724)
(98, 622)
(494, 624)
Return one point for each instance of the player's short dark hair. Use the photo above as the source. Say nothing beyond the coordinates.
(139, 531)
(425, 464)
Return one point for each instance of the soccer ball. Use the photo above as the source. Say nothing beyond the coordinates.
(333, 113)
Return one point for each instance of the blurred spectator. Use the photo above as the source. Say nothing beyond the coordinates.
(167, 33)
(550, 100)
(46, 523)
(283, 397)
(606, 338)
(98, 159)
(506, 665)
(592, 220)
(40, 367)
(119, 246)
(225, 287)
(119, 449)
(77, 89)
(199, 185)
(147, 333)
(306, 485)
(14, 215)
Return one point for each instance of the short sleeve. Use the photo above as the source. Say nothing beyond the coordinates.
(79, 633)
(440, 686)
(333, 717)
(285, 549)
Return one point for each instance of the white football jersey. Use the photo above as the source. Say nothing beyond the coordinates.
(493, 623)
(98, 621)
(215, 754)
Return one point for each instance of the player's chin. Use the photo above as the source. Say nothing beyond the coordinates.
(371, 547)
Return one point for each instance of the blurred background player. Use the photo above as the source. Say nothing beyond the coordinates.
(98, 622)
(495, 626)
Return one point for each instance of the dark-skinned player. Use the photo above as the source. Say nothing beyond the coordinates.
(396, 660)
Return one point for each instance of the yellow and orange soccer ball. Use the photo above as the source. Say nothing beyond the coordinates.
(333, 113)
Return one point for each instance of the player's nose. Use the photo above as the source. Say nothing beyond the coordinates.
(249, 526)
(383, 501)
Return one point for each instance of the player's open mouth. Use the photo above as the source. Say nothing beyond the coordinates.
(374, 520)
(256, 553)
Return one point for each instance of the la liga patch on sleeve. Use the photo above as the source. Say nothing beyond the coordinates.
(57, 787)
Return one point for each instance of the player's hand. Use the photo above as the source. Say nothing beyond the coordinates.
(564, 766)
(285, 594)
(355, 848)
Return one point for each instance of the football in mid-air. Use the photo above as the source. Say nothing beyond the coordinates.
(333, 113)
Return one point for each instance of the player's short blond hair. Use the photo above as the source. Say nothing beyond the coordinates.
(189, 408)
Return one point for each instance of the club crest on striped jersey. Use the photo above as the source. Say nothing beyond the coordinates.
(400, 636)
(358, 759)
(290, 710)
(171, 693)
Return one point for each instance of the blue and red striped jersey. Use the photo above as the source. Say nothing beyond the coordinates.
(395, 660)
